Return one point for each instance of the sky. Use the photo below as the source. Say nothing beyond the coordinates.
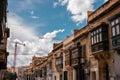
(40, 23)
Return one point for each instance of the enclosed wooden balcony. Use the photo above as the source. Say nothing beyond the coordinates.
(99, 38)
(76, 54)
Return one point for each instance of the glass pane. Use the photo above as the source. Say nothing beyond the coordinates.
(97, 38)
(116, 21)
(94, 39)
(92, 34)
(97, 31)
(100, 30)
(112, 23)
(100, 35)
(118, 29)
(113, 31)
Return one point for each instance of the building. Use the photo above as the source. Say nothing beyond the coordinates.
(104, 31)
(102, 53)
(80, 54)
(4, 34)
(50, 67)
(68, 69)
(28, 73)
(91, 53)
(57, 61)
(20, 72)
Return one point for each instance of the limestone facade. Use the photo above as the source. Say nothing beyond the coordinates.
(91, 53)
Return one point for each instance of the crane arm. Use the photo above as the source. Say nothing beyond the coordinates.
(19, 43)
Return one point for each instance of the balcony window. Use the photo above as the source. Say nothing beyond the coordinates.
(67, 57)
(115, 28)
(75, 53)
(59, 62)
(118, 29)
(84, 51)
(99, 37)
(117, 21)
(96, 36)
(113, 31)
(92, 40)
(112, 23)
(115, 24)
(49, 65)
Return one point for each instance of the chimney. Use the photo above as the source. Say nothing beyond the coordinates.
(55, 44)
(88, 15)
(76, 31)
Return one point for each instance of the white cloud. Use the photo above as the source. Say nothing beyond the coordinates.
(78, 8)
(55, 4)
(33, 44)
(23, 5)
(32, 12)
(53, 34)
(35, 17)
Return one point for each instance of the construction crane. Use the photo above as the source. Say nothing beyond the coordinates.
(14, 64)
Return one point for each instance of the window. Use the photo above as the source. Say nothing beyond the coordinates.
(58, 61)
(92, 40)
(115, 24)
(112, 23)
(49, 65)
(84, 51)
(75, 53)
(100, 35)
(96, 36)
(117, 21)
(100, 30)
(113, 31)
(118, 29)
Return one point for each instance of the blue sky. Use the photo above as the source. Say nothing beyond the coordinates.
(52, 19)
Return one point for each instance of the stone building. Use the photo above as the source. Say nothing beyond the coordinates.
(20, 72)
(68, 69)
(104, 27)
(4, 34)
(80, 54)
(91, 53)
(39, 67)
(50, 66)
(57, 61)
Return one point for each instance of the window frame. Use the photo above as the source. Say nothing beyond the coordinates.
(115, 26)
(97, 37)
